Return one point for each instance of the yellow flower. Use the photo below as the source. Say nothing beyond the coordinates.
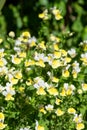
(29, 82)
(41, 91)
(84, 87)
(67, 59)
(44, 15)
(55, 80)
(2, 62)
(71, 111)
(52, 91)
(29, 63)
(68, 92)
(42, 45)
(74, 74)
(13, 80)
(21, 89)
(57, 14)
(80, 126)
(32, 44)
(64, 53)
(80, 91)
(2, 126)
(22, 54)
(40, 63)
(16, 60)
(2, 116)
(63, 92)
(85, 47)
(26, 34)
(65, 73)
(77, 118)
(58, 101)
(18, 75)
(49, 107)
(1, 40)
(42, 110)
(55, 46)
(59, 112)
(9, 97)
(40, 127)
(11, 34)
(84, 60)
(57, 54)
(56, 64)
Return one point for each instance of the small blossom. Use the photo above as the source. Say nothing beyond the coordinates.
(59, 112)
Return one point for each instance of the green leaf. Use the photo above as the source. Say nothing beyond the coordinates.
(77, 25)
(2, 2)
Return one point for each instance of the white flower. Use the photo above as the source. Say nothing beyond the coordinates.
(77, 118)
(49, 107)
(25, 128)
(32, 39)
(72, 52)
(8, 92)
(40, 83)
(18, 42)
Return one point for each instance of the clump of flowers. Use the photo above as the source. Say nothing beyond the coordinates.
(43, 85)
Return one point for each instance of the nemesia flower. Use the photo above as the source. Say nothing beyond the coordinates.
(44, 15)
(49, 107)
(58, 101)
(8, 92)
(18, 74)
(56, 64)
(59, 112)
(2, 53)
(80, 91)
(39, 127)
(39, 82)
(77, 118)
(72, 52)
(57, 54)
(25, 128)
(54, 38)
(1, 40)
(71, 110)
(11, 34)
(84, 58)
(41, 91)
(3, 62)
(80, 126)
(52, 91)
(26, 34)
(2, 125)
(32, 41)
(55, 46)
(29, 63)
(22, 54)
(2, 117)
(16, 60)
(55, 79)
(12, 79)
(63, 52)
(3, 70)
(42, 45)
(42, 110)
(84, 86)
(56, 13)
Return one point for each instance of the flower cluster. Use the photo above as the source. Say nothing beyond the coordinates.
(43, 85)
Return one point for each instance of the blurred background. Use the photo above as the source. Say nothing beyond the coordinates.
(19, 15)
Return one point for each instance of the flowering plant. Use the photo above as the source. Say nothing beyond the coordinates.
(43, 85)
